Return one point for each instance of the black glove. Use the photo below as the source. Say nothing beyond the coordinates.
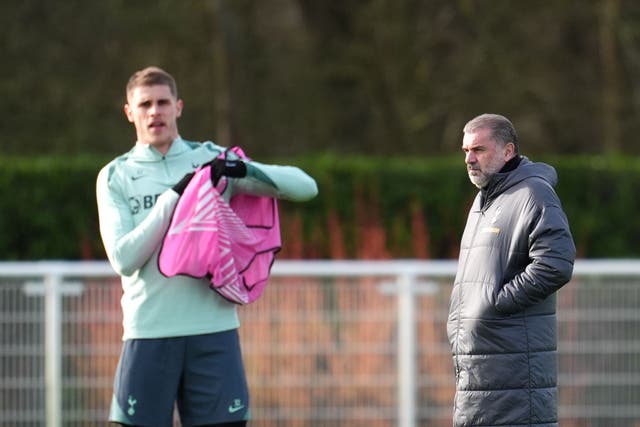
(226, 167)
(182, 184)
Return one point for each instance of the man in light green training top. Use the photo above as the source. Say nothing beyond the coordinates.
(180, 338)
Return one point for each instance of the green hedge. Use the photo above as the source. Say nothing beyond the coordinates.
(367, 207)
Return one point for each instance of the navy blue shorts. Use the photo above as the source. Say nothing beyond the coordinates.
(202, 374)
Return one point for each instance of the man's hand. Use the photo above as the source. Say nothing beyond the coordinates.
(228, 168)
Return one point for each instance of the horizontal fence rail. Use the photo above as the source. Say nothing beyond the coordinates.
(358, 343)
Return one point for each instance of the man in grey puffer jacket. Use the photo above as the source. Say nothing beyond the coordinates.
(516, 252)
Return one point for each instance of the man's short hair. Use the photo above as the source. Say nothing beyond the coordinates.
(152, 76)
(502, 130)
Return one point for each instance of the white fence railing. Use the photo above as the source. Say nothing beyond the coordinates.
(330, 343)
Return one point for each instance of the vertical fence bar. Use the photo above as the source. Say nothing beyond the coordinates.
(53, 350)
(406, 352)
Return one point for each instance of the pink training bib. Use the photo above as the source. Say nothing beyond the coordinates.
(232, 243)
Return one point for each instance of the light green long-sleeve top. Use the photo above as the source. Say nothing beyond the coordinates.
(135, 205)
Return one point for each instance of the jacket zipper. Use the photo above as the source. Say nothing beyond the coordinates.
(473, 238)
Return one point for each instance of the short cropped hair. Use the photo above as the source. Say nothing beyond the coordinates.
(152, 76)
(502, 130)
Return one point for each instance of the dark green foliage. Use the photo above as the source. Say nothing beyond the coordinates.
(49, 209)
(600, 197)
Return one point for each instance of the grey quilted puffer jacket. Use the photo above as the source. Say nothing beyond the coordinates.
(516, 252)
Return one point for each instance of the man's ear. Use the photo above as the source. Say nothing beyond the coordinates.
(128, 113)
(179, 106)
(509, 150)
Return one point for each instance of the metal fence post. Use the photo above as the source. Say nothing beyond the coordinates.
(406, 352)
(53, 350)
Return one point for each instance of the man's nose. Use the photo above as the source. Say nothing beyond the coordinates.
(469, 157)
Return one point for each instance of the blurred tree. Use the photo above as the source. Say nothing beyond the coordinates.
(222, 65)
(297, 76)
(611, 85)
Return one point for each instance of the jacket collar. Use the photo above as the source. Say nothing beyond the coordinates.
(148, 153)
(513, 173)
(495, 182)
(511, 164)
